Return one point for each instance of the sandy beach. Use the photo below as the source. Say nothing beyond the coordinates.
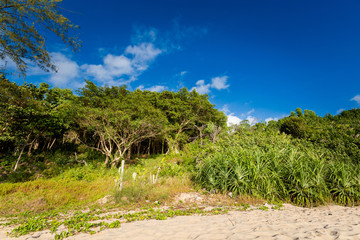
(329, 222)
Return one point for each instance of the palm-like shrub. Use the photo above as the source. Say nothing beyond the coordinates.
(276, 167)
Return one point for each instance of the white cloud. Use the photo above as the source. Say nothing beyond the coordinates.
(7, 64)
(250, 112)
(156, 88)
(67, 70)
(130, 65)
(252, 120)
(340, 110)
(141, 87)
(170, 40)
(118, 65)
(233, 120)
(267, 120)
(225, 109)
(201, 87)
(143, 54)
(183, 73)
(122, 67)
(113, 67)
(356, 99)
(219, 82)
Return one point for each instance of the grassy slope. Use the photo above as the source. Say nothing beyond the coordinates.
(80, 187)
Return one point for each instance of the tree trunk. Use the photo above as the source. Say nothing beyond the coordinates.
(18, 160)
(138, 149)
(106, 160)
(129, 154)
(173, 146)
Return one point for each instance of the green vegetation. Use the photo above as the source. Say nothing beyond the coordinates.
(275, 166)
(112, 121)
(61, 151)
(23, 26)
(93, 222)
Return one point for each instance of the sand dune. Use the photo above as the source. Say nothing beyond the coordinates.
(331, 222)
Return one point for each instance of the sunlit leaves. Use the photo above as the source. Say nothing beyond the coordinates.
(23, 25)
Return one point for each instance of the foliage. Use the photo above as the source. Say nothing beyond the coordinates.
(114, 121)
(275, 166)
(94, 222)
(303, 158)
(23, 24)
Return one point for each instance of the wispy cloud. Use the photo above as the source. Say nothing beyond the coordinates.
(142, 54)
(183, 73)
(126, 67)
(112, 67)
(233, 119)
(250, 112)
(218, 83)
(167, 41)
(267, 120)
(67, 70)
(116, 68)
(356, 99)
(225, 109)
(156, 88)
(201, 87)
(252, 120)
(340, 110)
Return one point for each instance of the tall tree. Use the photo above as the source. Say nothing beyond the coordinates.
(187, 113)
(116, 119)
(23, 24)
(27, 119)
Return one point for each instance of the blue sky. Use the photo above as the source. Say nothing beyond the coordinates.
(256, 59)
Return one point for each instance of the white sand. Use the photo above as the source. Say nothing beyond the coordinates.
(333, 222)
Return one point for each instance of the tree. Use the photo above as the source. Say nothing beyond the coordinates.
(294, 126)
(188, 114)
(298, 112)
(22, 27)
(116, 120)
(26, 118)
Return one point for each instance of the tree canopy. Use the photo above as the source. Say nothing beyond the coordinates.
(111, 120)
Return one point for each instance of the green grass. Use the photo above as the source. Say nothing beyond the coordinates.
(80, 187)
(50, 194)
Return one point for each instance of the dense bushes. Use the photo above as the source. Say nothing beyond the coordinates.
(275, 166)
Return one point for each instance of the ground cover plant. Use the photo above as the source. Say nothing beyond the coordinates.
(92, 222)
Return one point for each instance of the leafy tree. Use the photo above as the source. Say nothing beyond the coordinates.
(294, 126)
(22, 26)
(28, 120)
(187, 113)
(116, 120)
(298, 112)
